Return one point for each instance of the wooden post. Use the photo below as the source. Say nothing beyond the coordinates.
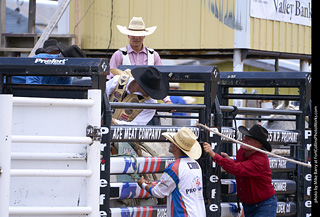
(53, 22)
(77, 30)
(2, 20)
(32, 16)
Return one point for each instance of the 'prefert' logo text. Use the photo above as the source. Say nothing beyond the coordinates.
(51, 61)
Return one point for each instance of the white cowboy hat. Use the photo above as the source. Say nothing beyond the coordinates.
(136, 28)
(186, 141)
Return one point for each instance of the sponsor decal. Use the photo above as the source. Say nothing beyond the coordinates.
(51, 61)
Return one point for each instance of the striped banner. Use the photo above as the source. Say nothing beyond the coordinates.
(130, 190)
(127, 190)
(140, 211)
(227, 210)
(123, 165)
(126, 165)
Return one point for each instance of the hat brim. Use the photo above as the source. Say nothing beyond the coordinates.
(194, 153)
(72, 51)
(147, 31)
(160, 93)
(51, 48)
(264, 143)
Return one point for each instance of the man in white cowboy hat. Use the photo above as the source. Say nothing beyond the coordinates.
(146, 85)
(181, 181)
(135, 53)
(252, 171)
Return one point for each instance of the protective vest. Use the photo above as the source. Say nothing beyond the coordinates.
(126, 59)
(120, 95)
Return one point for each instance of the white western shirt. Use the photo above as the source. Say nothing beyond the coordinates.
(182, 184)
(145, 116)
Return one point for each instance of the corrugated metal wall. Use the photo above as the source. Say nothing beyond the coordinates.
(279, 36)
(184, 24)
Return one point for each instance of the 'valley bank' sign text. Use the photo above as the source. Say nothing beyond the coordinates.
(291, 11)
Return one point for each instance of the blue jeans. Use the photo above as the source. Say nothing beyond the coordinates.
(267, 208)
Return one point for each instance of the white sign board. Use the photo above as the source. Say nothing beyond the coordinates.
(291, 11)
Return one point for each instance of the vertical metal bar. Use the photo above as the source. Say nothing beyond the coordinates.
(211, 170)
(105, 161)
(300, 152)
(93, 154)
(5, 152)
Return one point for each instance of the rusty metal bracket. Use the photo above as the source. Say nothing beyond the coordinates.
(93, 132)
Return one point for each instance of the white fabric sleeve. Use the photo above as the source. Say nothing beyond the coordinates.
(111, 85)
(164, 187)
(166, 99)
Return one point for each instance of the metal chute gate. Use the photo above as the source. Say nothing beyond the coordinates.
(291, 182)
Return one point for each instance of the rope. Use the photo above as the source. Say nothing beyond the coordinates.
(135, 163)
(254, 148)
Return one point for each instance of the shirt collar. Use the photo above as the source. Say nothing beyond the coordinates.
(130, 50)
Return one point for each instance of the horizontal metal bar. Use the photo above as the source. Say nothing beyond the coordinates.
(227, 209)
(127, 190)
(159, 106)
(49, 173)
(47, 156)
(130, 133)
(261, 118)
(260, 96)
(51, 139)
(51, 102)
(125, 165)
(186, 93)
(274, 136)
(281, 186)
(251, 111)
(13, 210)
(277, 165)
(241, 110)
(178, 116)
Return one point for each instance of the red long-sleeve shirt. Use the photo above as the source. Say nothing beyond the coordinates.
(253, 175)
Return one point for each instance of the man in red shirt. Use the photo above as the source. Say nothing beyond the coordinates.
(252, 172)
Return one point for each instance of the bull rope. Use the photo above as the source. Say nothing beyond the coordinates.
(215, 130)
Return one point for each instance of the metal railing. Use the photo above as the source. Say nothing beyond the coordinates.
(92, 156)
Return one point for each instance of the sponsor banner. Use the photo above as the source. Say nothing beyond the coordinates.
(280, 186)
(274, 136)
(283, 209)
(153, 134)
(286, 209)
(144, 133)
(278, 165)
(148, 211)
(126, 165)
(290, 11)
(127, 190)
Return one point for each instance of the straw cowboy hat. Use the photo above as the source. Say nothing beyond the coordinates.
(186, 141)
(136, 28)
(151, 81)
(258, 133)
